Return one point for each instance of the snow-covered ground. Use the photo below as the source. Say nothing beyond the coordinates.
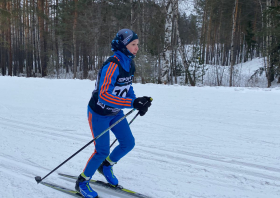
(243, 75)
(194, 142)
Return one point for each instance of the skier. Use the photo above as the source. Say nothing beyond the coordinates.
(113, 92)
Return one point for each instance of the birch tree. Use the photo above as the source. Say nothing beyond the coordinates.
(167, 43)
(181, 48)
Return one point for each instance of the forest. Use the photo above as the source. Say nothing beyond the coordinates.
(178, 44)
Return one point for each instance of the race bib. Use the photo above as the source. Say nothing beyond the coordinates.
(121, 91)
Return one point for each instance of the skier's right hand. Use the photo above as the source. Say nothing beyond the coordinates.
(142, 104)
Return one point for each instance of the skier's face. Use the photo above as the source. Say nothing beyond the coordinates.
(133, 46)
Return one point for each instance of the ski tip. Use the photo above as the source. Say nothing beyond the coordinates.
(38, 179)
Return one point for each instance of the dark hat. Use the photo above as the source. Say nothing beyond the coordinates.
(122, 39)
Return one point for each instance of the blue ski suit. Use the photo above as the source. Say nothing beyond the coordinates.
(113, 92)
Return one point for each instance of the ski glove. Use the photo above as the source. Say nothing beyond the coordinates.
(142, 104)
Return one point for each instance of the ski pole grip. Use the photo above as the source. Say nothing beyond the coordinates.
(151, 99)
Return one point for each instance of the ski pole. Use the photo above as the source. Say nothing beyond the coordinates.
(39, 179)
(128, 124)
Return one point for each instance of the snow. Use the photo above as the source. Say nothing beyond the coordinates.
(243, 75)
(194, 142)
(186, 7)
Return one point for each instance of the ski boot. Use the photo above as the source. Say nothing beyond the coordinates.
(106, 169)
(83, 187)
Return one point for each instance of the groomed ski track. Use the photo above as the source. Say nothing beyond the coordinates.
(195, 142)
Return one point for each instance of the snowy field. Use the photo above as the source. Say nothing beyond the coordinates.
(194, 142)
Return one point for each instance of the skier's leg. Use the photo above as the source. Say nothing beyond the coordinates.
(97, 125)
(126, 144)
(124, 135)
(102, 145)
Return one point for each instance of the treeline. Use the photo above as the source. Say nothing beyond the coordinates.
(234, 31)
(42, 37)
(71, 38)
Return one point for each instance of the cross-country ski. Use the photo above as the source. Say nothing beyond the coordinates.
(118, 188)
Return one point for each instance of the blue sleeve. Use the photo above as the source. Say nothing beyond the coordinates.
(130, 93)
(107, 81)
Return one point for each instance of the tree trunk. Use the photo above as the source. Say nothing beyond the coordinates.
(34, 38)
(234, 17)
(42, 37)
(75, 40)
(268, 47)
(2, 49)
(26, 50)
(3, 55)
(9, 38)
(46, 31)
(85, 63)
(143, 39)
(56, 41)
(208, 39)
(204, 31)
(159, 67)
(167, 43)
